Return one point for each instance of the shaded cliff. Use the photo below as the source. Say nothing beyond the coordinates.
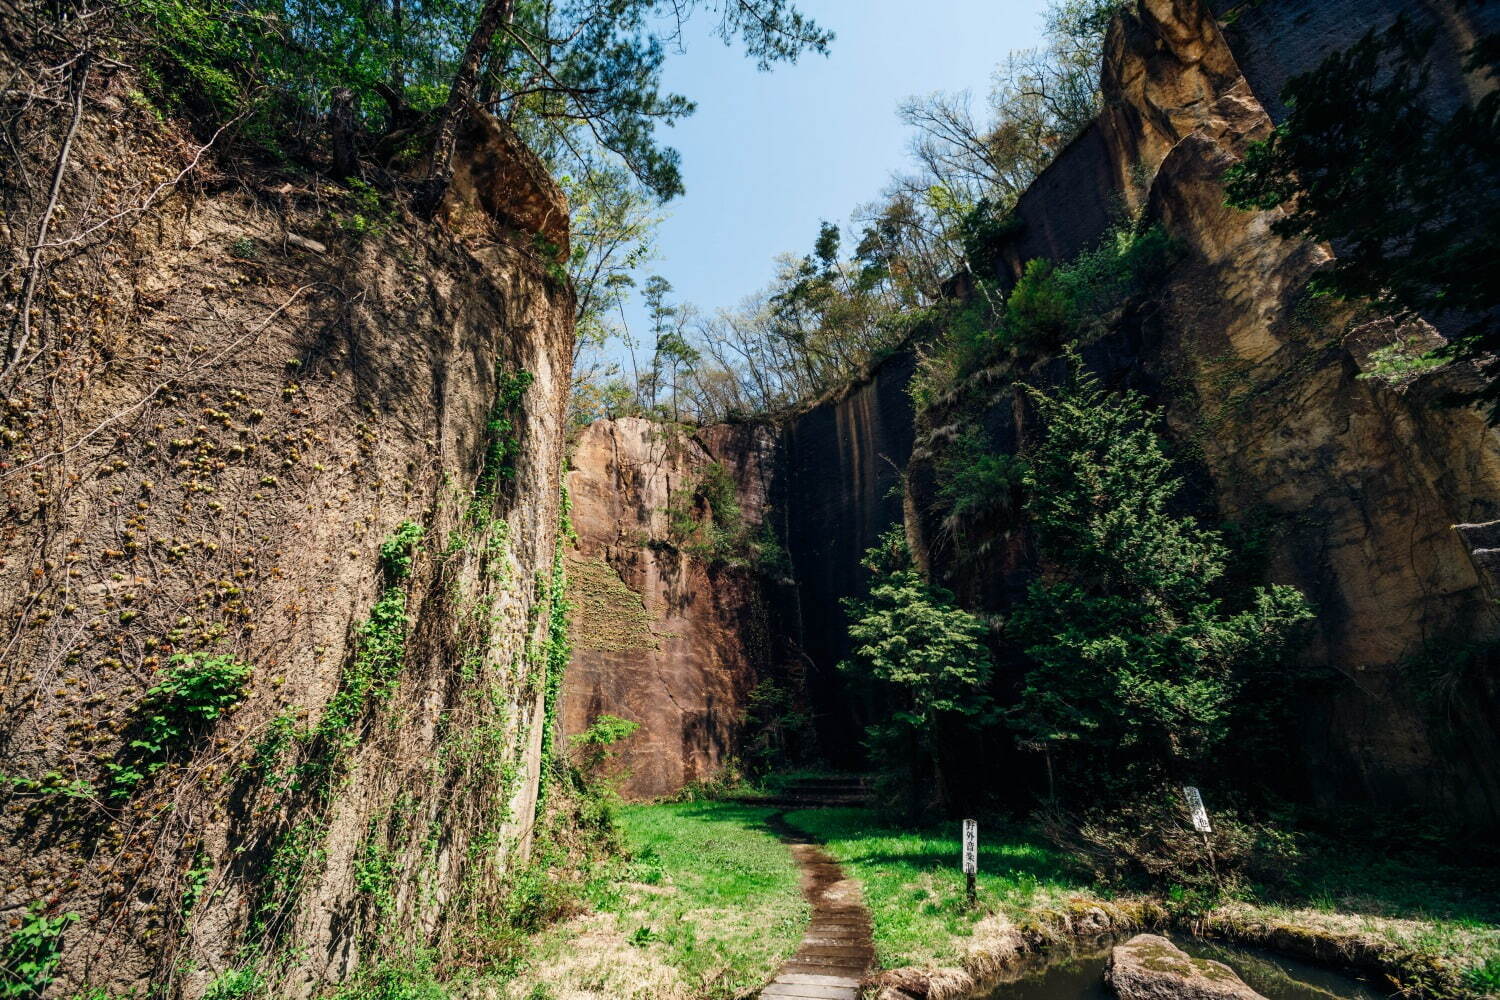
(1356, 482)
(238, 386)
(665, 634)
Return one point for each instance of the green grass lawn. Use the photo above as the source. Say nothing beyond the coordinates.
(706, 905)
(715, 888)
(915, 889)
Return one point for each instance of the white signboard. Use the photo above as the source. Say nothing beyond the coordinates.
(971, 847)
(1195, 806)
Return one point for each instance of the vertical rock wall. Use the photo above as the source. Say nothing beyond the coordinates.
(668, 638)
(238, 394)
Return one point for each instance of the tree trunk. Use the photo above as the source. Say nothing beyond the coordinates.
(341, 126)
(492, 16)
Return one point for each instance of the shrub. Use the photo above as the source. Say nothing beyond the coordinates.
(190, 695)
(1054, 305)
(705, 518)
(1154, 847)
(32, 953)
(927, 657)
(593, 746)
(976, 485)
(1399, 364)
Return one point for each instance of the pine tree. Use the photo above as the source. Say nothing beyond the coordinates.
(1136, 663)
(927, 657)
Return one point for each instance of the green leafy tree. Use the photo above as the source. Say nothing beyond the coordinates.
(1137, 661)
(1410, 200)
(927, 657)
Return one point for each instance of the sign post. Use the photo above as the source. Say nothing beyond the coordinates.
(1201, 824)
(971, 860)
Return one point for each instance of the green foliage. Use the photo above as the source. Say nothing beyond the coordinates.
(188, 697)
(235, 984)
(1051, 306)
(704, 519)
(594, 746)
(576, 80)
(397, 551)
(982, 231)
(1484, 979)
(1134, 658)
(375, 871)
(368, 214)
(32, 952)
(977, 485)
(1411, 201)
(926, 656)
(1054, 305)
(557, 653)
(49, 784)
(779, 730)
(371, 674)
(502, 443)
(195, 880)
(1399, 363)
(411, 977)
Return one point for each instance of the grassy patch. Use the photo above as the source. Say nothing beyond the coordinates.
(708, 905)
(913, 885)
(1449, 912)
(713, 888)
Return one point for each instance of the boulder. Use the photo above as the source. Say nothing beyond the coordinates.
(1149, 967)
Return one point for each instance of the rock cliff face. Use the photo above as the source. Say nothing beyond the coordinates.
(1358, 482)
(235, 390)
(669, 638)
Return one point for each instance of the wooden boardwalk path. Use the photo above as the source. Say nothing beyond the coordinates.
(836, 951)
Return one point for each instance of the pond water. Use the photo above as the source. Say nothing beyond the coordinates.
(1079, 974)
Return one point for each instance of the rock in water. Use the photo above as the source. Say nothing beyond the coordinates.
(1149, 967)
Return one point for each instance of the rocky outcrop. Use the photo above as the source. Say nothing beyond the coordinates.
(233, 394)
(1149, 967)
(665, 633)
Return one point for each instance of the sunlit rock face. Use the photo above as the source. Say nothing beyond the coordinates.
(664, 635)
(275, 396)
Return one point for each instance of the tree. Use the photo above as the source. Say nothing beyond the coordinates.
(1134, 658)
(928, 658)
(1409, 200)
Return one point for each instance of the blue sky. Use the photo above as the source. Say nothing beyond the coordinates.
(767, 155)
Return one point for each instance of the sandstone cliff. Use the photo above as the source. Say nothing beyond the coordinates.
(238, 385)
(667, 636)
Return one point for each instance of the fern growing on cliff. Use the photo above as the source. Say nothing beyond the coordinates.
(1136, 658)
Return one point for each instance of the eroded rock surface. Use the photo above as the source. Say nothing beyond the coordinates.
(667, 637)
